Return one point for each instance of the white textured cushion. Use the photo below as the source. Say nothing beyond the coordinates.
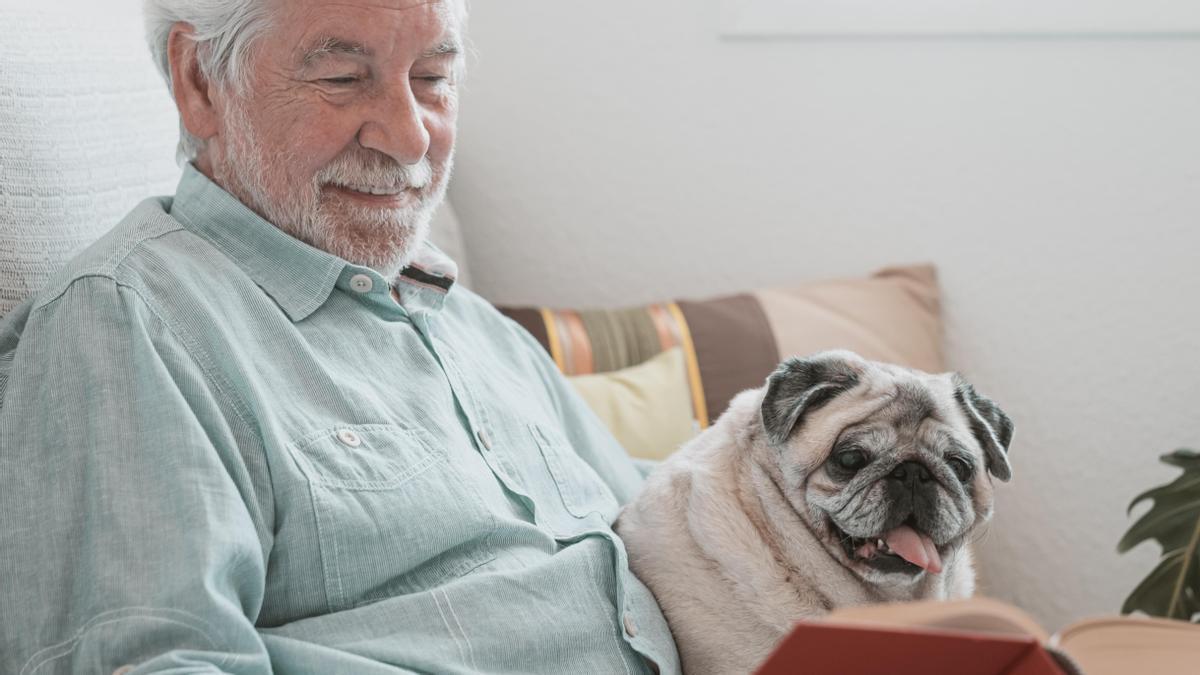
(87, 130)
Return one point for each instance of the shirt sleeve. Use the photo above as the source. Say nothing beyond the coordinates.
(588, 436)
(129, 534)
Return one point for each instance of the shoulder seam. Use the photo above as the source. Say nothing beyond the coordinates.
(118, 257)
(106, 270)
(50, 300)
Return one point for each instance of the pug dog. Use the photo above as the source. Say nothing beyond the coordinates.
(840, 482)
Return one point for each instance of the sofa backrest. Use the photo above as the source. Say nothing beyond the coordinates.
(86, 132)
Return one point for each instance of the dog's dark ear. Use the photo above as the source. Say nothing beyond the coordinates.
(991, 427)
(799, 386)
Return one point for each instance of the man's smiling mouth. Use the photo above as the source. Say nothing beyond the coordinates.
(372, 190)
(375, 196)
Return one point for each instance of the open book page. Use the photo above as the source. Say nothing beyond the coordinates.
(1123, 645)
(977, 615)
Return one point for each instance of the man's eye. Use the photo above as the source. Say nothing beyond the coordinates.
(434, 79)
(339, 80)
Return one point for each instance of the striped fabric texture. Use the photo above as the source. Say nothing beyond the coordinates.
(733, 343)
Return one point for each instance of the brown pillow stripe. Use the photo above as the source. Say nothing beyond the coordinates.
(734, 347)
(531, 320)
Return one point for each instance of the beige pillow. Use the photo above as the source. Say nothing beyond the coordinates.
(648, 407)
(892, 316)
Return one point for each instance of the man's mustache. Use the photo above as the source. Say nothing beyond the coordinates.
(377, 171)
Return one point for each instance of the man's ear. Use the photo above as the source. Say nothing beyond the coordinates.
(991, 427)
(800, 386)
(191, 88)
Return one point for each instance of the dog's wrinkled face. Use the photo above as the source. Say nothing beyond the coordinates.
(889, 466)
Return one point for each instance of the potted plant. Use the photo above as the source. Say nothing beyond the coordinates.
(1172, 590)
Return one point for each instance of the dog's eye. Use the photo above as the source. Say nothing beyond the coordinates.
(961, 468)
(850, 460)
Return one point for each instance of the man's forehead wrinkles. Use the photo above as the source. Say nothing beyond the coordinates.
(325, 38)
(400, 6)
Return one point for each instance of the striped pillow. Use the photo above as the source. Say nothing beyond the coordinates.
(733, 343)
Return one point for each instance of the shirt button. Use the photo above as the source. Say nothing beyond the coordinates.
(485, 439)
(349, 438)
(630, 626)
(361, 283)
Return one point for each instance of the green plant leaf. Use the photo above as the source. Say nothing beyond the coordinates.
(1172, 590)
(1157, 595)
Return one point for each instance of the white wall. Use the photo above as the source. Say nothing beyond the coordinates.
(618, 152)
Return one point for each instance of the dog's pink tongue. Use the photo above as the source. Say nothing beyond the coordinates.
(914, 547)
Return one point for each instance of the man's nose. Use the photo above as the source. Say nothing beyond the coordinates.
(396, 126)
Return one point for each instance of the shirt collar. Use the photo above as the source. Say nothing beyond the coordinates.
(298, 277)
(427, 279)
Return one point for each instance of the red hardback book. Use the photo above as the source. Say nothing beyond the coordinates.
(830, 648)
(981, 636)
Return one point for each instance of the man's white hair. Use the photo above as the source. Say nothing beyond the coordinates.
(225, 31)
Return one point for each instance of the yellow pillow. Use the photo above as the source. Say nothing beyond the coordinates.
(648, 407)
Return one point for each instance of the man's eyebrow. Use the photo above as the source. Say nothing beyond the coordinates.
(331, 46)
(450, 46)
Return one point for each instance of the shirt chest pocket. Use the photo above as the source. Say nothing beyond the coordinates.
(585, 499)
(392, 514)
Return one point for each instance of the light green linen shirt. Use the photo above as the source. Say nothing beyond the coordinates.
(222, 450)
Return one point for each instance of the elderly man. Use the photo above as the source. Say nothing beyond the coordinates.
(258, 428)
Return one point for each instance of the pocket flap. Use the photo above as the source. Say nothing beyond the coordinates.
(364, 456)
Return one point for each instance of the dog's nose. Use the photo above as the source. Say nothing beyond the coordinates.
(910, 473)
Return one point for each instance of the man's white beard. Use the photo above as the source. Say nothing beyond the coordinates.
(385, 240)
